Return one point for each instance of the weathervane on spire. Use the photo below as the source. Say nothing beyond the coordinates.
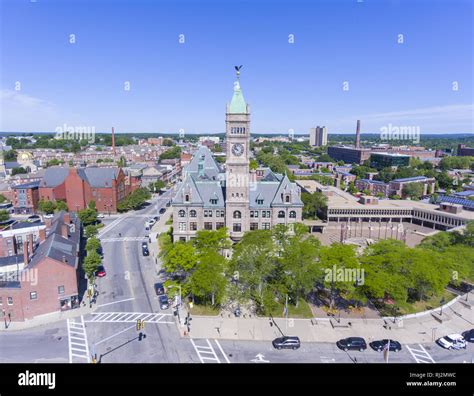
(237, 69)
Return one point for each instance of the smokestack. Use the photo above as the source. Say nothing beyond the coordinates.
(358, 134)
(42, 235)
(31, 245)
(113, 140)
(26, 256)
(64, 231)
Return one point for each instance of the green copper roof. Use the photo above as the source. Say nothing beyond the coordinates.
(237, 104)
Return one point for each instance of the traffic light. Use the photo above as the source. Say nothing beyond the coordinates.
(140, 324)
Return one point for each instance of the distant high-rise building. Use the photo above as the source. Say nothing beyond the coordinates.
(318, 136)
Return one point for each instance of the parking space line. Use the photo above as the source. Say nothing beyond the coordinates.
(420, 355)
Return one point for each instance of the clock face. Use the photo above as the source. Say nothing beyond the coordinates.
(238, 149)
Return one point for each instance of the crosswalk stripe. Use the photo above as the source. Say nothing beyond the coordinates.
(77, 340)
(128, 317)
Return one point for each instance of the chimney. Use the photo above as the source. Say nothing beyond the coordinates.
(48, 221)
(26, 256)
(67, 218)
(113, 140)
(64, 230)
(42, 235)
(30, 244)
(358, 134)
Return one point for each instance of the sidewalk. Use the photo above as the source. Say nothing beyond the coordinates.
(47, 319)
(423, 329)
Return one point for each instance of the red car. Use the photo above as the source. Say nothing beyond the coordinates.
(100, 272)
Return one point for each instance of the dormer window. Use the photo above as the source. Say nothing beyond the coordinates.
(213, 201)
(186, 198)
(287, 199)
(259, 201)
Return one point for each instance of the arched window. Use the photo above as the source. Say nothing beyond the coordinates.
(181, 213)
(292, 214)
(287, 198)
(237, 215)
(281, 214)
(186, 198)
(192, 213)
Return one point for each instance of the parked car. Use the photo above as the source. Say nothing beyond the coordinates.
(380, 345)
(352, 343)
(452, 341)
(145, 250)
(48, 216)
(469, 335)
(288, 342)
(159, 288)
(100, 273)
(162, 210)
(101, 216)
(164, 302)
(33, 218)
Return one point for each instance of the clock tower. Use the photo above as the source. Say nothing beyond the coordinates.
(237, 163)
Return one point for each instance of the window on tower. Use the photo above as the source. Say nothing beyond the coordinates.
(237, 214)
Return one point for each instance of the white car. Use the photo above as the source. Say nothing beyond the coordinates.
(48, 216)
(150, 222)
(101, 216)
(452, 341)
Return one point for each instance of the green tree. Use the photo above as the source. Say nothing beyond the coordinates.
(61, 205)
(212, 240)
(18, 171)
(88, 216)
(46, 207)
(4, 216)
(90, 231)
(93, 244)
(208, 280)
(2, 198)
(181, 258)
(313, 204)
(91, 263)
(413, 190)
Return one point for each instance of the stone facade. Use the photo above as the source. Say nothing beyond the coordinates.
(210, 197)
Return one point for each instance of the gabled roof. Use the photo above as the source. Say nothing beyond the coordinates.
(211, 168)
(211, 190)
(287, 187)
(98, 177)
(188, 187)
(54, 176)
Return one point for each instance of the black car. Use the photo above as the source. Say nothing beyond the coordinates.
(162, 210)
(164, 302)
(352, 343)
(469, 335)
(379, 345)
(145, 250)
(159, 289)
(287, 342)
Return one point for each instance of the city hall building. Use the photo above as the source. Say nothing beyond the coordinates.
(212, 197)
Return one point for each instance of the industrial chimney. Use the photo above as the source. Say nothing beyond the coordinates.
(113, 140)
(358, 134)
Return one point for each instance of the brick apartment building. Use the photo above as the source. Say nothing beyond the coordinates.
(78, 186)
(13, 236)
(25, 198)
(42, 279)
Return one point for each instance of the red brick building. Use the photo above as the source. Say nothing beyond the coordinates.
(78, 186)
(25, 198)
(43, 280)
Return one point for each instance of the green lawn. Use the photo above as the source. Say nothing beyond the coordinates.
(431, 303)
(204, 310)
(302, 312)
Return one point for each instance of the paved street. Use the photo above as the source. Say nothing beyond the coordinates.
(126, 295)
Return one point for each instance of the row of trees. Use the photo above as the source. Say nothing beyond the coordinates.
(134, 200)
(268, 265)
(49, 207)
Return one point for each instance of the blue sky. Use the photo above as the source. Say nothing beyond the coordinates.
(289, 86)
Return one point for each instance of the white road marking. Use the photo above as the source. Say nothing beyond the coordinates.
(203, 351)
(128, 317)
(77, 341)
(325, 359)
(115, 302)
(123, 239)
(222, 351)
(420, 355)
(259, 358)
